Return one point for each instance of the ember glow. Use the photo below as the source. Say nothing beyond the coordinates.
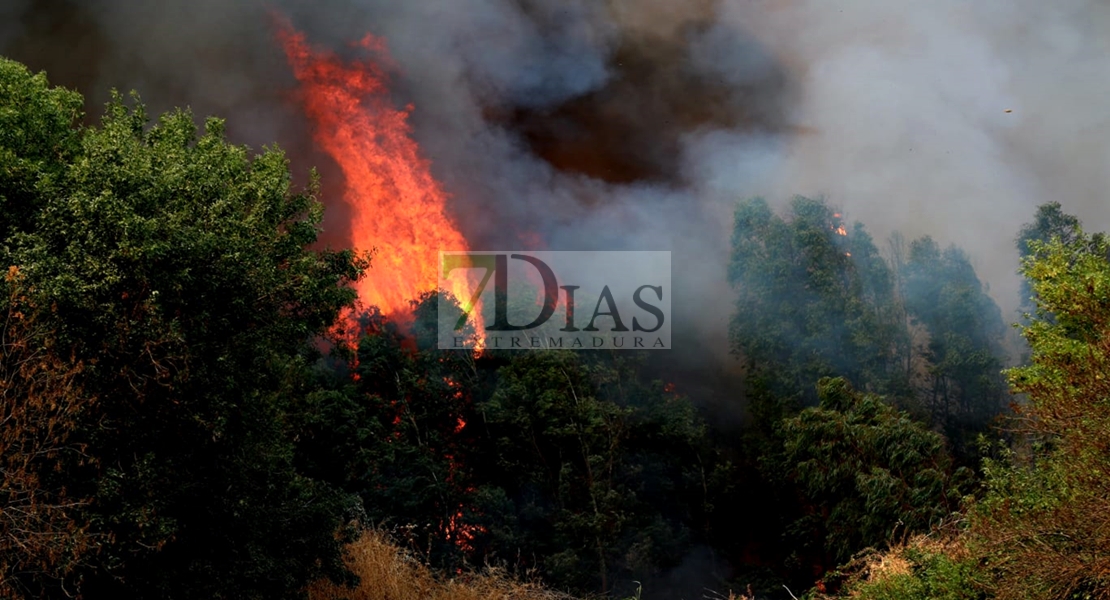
(456, 531)
(397, 208)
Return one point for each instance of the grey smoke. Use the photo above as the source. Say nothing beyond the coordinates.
(905, 123)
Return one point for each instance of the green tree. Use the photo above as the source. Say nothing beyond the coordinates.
(813, 300)
(863, 471)
(43, 536)
(602, 473)
(1040, 529)
(1043, 529)
(1050, 222)
(38, 138)
(175, 270)
(962, 386)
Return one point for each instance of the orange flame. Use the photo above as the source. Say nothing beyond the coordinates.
(455, 529)
(397, 207)
(460, 533)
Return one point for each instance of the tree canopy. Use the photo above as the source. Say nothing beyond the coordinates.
(865, 472)
(1038, 528)
(173, 269)
(813, 300)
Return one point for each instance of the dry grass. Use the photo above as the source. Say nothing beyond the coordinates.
(889, 564)
(1058, 552)
(876, 567)
(388, 573)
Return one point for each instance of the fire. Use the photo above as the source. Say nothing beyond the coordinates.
(454, 527)
(397, 208)
(460, 533)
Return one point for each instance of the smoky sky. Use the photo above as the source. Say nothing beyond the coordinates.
(638, 124)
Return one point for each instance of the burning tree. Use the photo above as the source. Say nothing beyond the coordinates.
(389, 184)
(813, 300)
(395, 430)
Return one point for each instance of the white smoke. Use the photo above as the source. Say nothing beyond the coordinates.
(946, 118)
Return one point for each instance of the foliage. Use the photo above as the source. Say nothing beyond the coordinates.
(394, 430)
(38, 137)
(814, 300)
(962, 387)
(604, 474)
(176, 273)
(1050, 222)
(1040, 528)
(922, 568)
(43, 536)
(558, 463)
(864, 472)
(1043, 529)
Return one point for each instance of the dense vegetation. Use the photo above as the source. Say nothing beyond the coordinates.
(159, 287)
(1039, 528)
(178, 419)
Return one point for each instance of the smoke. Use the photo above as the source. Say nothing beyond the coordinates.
(947, 118)
(637, 124)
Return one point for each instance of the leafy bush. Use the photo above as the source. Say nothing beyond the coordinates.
(172, 269)
(864, 471)
(1043, 529)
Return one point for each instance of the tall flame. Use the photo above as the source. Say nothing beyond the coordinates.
(397, 207)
